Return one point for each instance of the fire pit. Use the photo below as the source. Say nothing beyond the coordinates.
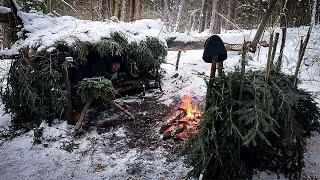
(184, 122)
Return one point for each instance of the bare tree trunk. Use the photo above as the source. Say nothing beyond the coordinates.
(262, 26)
(91, 9)
(119, 8)
(215, 17)
(203, 15)
(49, 5)
(180, 14)
(231, 13)
(208, 17)
(103, 9)
(138, 9)
(112, 8)
(126, 9)
(133, 10)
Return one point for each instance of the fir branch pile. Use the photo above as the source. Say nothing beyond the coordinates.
(91, 89)
(266, 129)
(35, 88)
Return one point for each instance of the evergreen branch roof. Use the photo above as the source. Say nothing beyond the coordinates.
(43, 31)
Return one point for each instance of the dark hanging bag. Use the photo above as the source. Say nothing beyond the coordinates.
(214, 47)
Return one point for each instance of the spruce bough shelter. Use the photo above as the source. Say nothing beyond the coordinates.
(36, 87)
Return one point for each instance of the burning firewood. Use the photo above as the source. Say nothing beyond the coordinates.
(182, 136)
(183, 123)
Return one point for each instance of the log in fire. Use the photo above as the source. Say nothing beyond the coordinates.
(183, 122)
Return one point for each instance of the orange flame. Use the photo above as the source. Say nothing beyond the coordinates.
(185, 121)
(191, 110)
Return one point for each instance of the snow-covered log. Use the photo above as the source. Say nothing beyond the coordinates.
(180, 45)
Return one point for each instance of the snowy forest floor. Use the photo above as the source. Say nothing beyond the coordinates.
(113, 148)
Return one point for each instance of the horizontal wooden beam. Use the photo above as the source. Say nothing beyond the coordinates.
(199, 44)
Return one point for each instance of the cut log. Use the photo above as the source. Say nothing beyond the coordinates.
(174, 45)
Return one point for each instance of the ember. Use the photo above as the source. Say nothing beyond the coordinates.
(184, 122)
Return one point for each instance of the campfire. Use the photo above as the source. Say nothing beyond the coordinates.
(184, 122)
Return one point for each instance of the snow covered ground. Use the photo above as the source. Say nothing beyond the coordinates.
(94, 157)
(5, 119)
(109, 155)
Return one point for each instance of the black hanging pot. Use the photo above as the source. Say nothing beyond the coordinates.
(214, 47)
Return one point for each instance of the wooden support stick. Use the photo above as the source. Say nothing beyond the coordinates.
(178, 59)
(303, 47)
(283, 25)
(118, 107)
(210, 83)
(69, 96)
(245, 48)
(274, 49)
(213, 68)
(269, 57)
(220, 68)
(82, 115)
(159, 80)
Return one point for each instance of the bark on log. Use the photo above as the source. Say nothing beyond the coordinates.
(183, 46)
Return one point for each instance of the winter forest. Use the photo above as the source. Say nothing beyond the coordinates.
(160, 89)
